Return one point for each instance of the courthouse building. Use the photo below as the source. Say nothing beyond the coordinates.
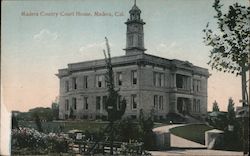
(146, 82)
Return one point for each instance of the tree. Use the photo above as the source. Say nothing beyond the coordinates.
(38, 122)
(14, 122)
(230, 111)
(55, 110)
(230, 45)
(216, 107)
(114, 106)
(146, 124)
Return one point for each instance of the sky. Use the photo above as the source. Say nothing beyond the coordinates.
(35, 47)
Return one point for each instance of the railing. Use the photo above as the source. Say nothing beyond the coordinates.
(85, 148)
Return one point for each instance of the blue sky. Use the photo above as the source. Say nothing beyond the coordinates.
(35, 47)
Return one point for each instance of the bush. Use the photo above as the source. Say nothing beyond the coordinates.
(30, 141)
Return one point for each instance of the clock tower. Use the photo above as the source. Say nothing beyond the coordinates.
(135, 35)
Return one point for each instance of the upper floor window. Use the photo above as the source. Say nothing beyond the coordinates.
(100, 82)
(74, 103)
(67, 86)
(119, 78)
(134, 101)
(158, 79)
(85, 81)
(198, 85)
(134, 77)
(181, 81)
(74, 83)
(86, 104)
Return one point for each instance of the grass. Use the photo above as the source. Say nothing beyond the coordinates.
(194, 132)
(65, 126)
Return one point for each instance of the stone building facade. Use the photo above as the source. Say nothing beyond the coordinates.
(146, 82)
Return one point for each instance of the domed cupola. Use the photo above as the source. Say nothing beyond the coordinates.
(135, 35)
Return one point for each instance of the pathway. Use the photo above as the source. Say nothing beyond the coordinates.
(178, 142)
(181, 146)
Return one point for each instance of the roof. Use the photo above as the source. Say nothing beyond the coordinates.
(124, 60)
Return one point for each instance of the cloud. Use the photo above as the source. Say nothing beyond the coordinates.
(45, 35)
(93, 50)
(166, 47)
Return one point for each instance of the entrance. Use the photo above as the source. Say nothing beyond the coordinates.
(183, 105)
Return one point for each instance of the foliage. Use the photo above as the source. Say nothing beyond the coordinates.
(30, 141)
(216, 107)
(146, 125)
(230, 46)
(27, 138)
(43, 113)
(55, 110)
(57, 143)
(127, 130)
(230, 111)
(38, 123)
(219, 121)
(14, 122)
(114, 107)
(187, 132)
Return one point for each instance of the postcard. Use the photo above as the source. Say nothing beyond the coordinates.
(135, 77)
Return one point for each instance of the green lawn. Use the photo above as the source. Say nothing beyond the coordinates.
(55, 126)
(195, 132)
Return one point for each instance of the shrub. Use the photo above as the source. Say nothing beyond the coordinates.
(30, 141)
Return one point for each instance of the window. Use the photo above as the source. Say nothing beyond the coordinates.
(74, 84)
(74, 103)
(86, 103)
(66, 104)
(66, 86)
(198, 85)
(155, 101)
(134, 101)
(139, 41)
(104, 100)
(100, 81)
(161, 102)
(119, 79)
(98, 103)
(134, 77)
(158, 79)
(162, 80)
(85, 81)
(198, 106)
(181, 81)
(194, 105)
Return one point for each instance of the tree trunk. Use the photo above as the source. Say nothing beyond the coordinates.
(244, 88)
(111, 138)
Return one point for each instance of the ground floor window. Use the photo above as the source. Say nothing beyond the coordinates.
(134, 101)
